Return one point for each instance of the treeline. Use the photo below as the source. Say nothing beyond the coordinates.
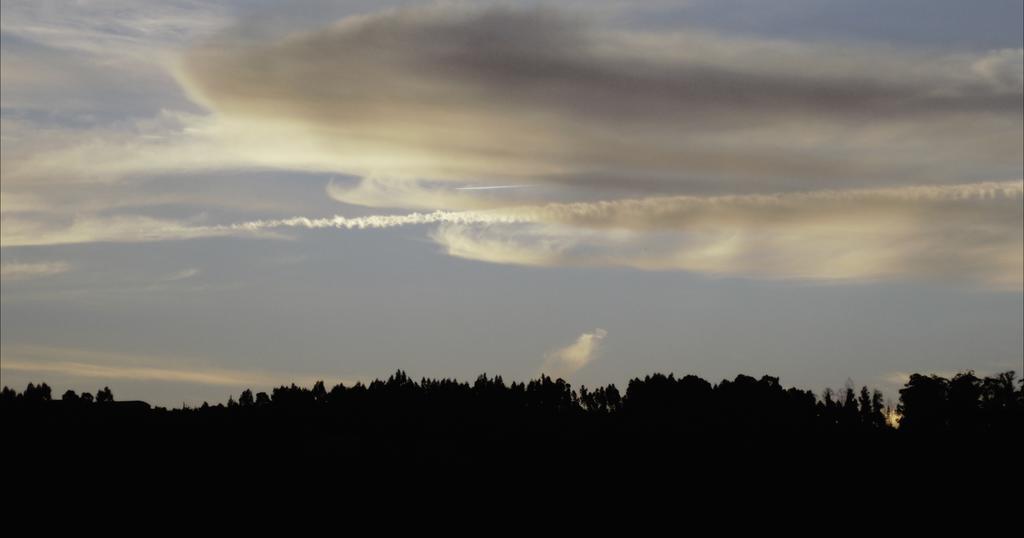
(488, 407)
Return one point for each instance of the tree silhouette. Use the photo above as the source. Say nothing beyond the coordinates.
(434, 417)
(104, 395)
(246, 399)
(36, 393)
(924, 404)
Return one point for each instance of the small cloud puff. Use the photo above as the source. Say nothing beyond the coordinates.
(568, 360)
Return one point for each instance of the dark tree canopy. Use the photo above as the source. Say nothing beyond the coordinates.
(657, 404)
(748, 423)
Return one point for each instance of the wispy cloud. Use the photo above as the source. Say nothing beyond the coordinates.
(120, 366)
(968, 233)
(134, 228)
(491, 187)
(568, 360)
(17, 271)
(207, 377)
(181, 275)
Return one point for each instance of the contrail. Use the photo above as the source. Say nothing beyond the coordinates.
(381, 221)
(668, 210)
(491, 187)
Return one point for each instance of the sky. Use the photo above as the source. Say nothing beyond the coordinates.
(199, 197)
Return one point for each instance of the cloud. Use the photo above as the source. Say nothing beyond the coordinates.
(503, 96)
(120, 229)
(964, 234)
(507, 96)
(568, 360)
(1002, 68)
(649, 149)
(497, 96)
(18, 271)
(91, 60)
(952, 233)
(410, 98)
(377, 191)
(208, 377)
(169, 142)
(181, 275)
(113, 366)
(137, 229)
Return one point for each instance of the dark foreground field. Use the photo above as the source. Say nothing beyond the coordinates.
(672, 446)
